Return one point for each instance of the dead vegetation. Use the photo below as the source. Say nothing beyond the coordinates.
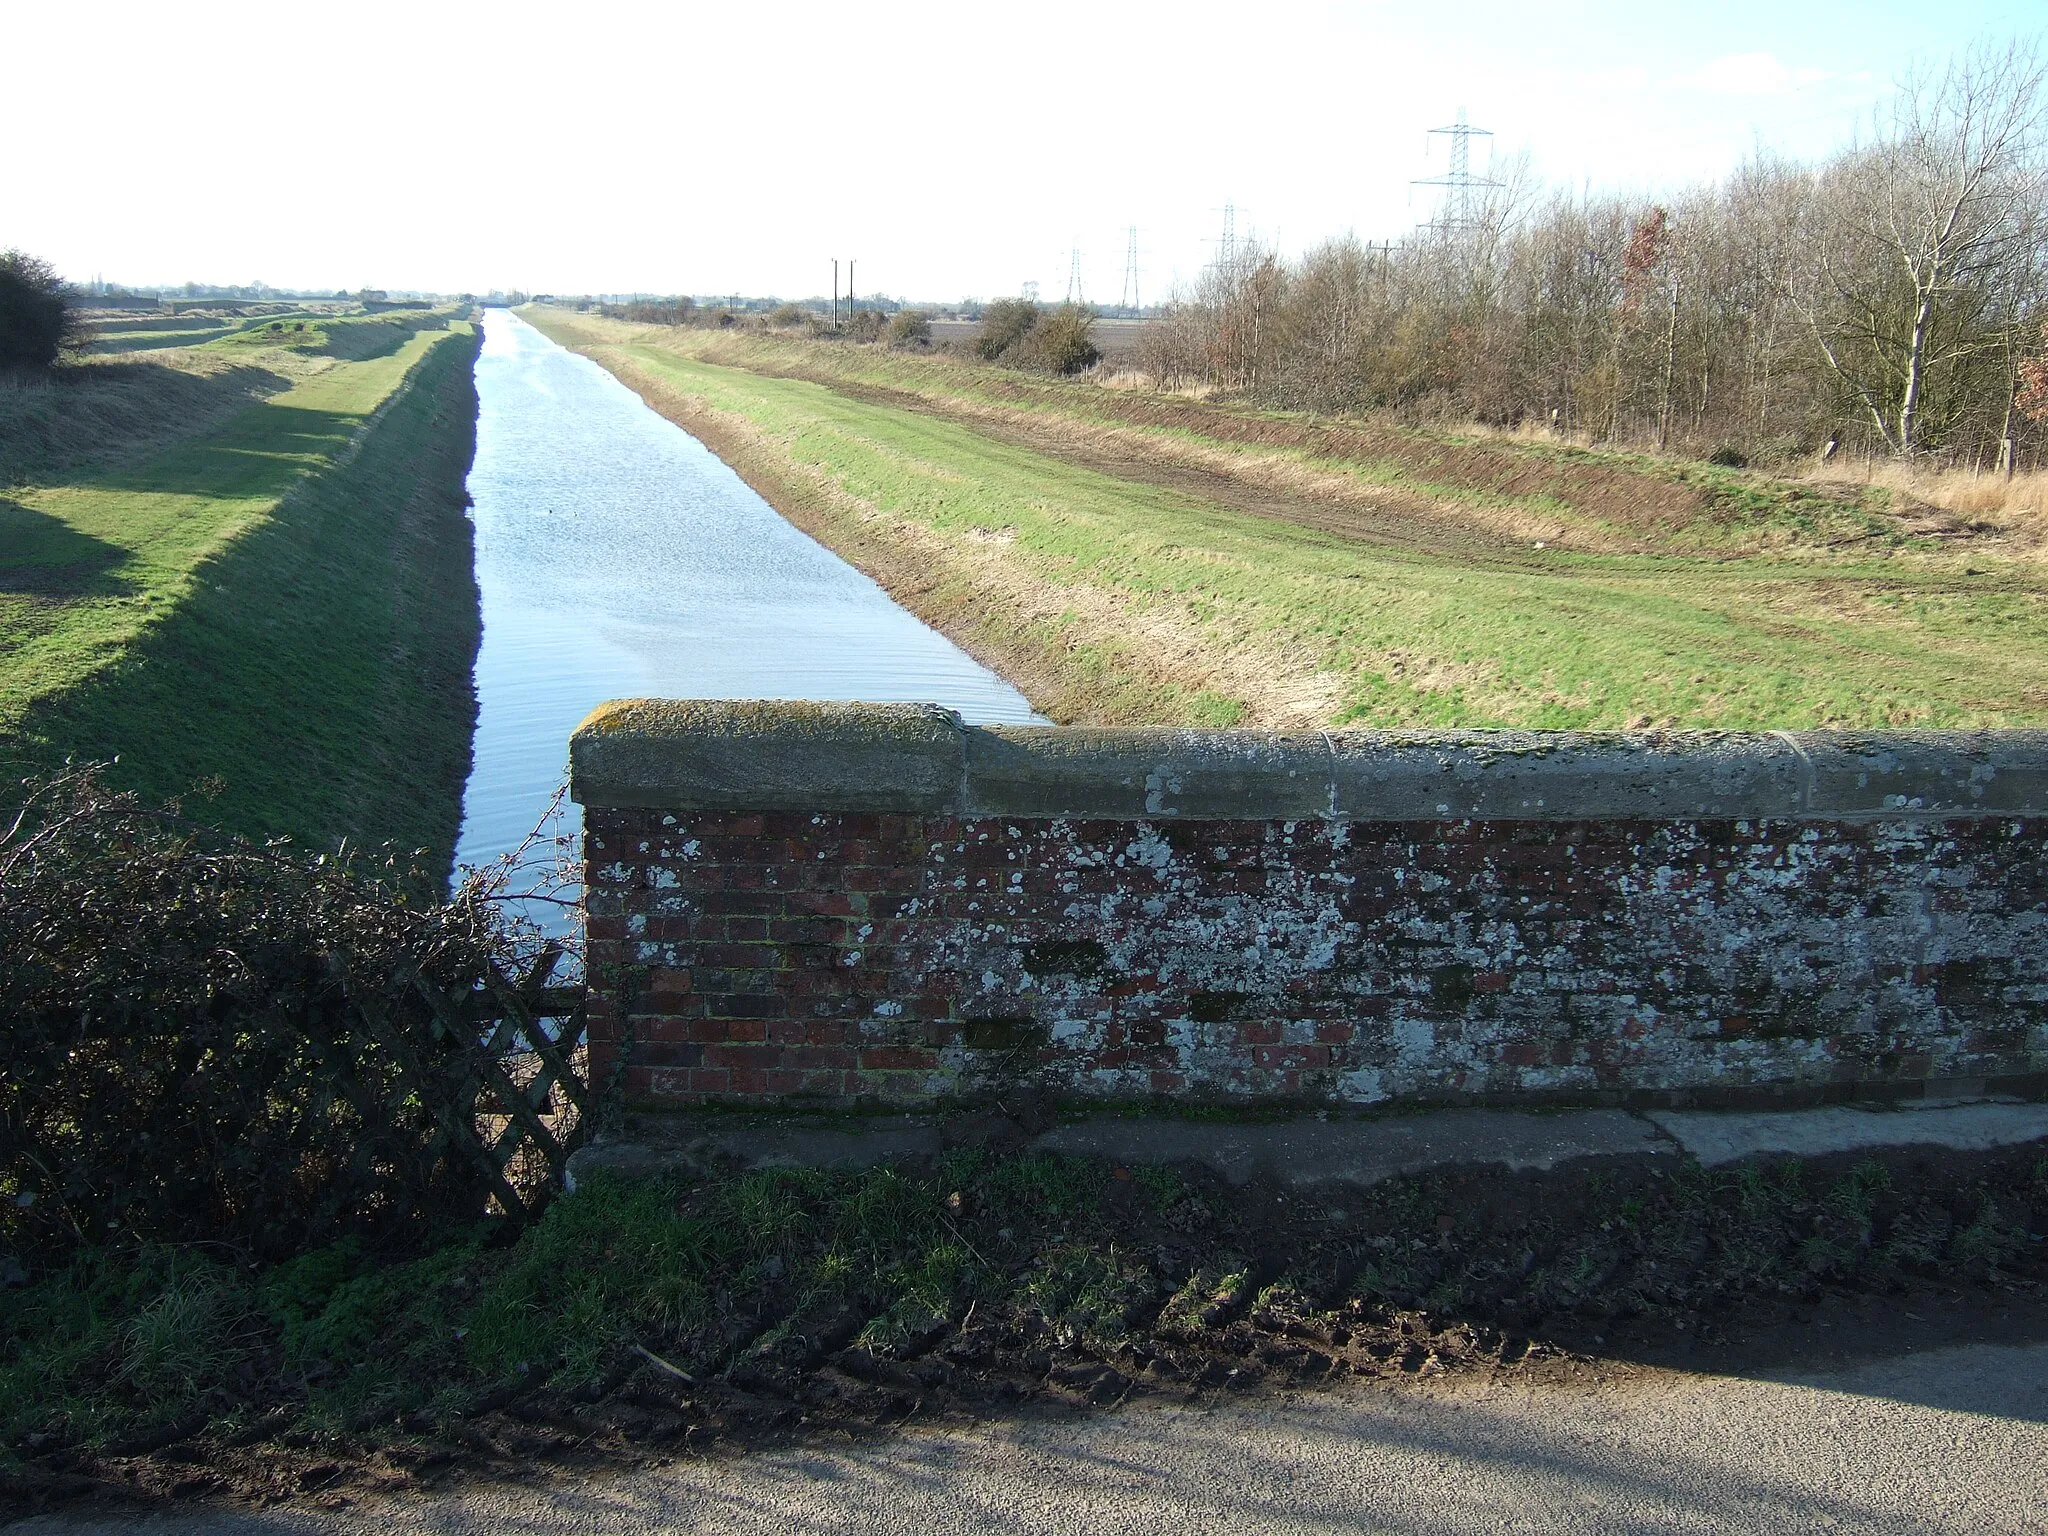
(1961, 503)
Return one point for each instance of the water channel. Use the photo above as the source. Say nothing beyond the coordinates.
(617, 555)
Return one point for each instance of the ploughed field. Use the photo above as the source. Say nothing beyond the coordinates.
(1130, 557)
(233, 556)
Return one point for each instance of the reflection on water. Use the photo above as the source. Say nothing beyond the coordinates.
(618, 556)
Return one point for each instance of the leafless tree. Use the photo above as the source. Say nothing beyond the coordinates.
(1893, 294)
(1919, 233)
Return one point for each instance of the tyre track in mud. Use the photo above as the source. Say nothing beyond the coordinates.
(1394, 520)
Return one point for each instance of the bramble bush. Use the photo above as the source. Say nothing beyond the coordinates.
(909, 328)
(211, 1040)
(1004, 324)
(37, 321)
(1061, 342)
(1018, 333)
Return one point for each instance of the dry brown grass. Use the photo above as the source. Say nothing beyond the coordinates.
(2015, 506)
(1128, 380)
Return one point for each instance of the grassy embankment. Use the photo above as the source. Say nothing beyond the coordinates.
(150, 333)
(1135, 558)
(244, 563)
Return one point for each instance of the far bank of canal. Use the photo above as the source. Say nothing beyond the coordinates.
(616, 556)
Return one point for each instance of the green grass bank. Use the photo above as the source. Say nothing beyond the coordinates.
(243, 568)
(1129, 557)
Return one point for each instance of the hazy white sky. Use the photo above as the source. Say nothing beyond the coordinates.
(951, 150)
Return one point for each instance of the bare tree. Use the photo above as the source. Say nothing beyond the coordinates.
(1894, 293)
(1921, 227)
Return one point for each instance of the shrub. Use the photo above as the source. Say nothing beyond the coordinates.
(910, 328)
(866, 325)
(652, 311)
(788, 314)
(1061, 342)
(207, 1040)
(37, 322)
(1729, 457)
(1003, 324)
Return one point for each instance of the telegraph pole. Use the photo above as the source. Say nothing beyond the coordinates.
(835, 293)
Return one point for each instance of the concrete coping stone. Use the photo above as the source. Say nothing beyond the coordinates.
(768, 755)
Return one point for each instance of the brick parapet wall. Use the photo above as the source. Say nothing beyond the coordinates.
(912, 955)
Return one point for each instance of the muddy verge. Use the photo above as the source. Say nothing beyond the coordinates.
(1171, 1283)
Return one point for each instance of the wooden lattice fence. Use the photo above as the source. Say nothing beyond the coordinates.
(525, 1101)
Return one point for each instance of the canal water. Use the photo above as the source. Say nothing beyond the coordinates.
(618, 556)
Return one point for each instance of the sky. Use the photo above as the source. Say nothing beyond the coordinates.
(948, 150)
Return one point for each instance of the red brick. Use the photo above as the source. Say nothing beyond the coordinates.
(1519, 889)
(737, 956)
(842, 1057)
(882, 1058)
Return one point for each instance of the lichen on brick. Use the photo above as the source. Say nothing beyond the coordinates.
(1333, 962)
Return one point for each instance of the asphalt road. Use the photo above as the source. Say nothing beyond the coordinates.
(1950, 1441)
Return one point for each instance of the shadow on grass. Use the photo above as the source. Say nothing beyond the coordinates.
(45, 556)
(92, 417)
(320, 669)
(268, 447)
(358, 340)
(146, 341)
(353, 338)
(733, 1306)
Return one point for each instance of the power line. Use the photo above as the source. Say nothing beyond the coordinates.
(1130, 303)
(1074, 295)
(1456, 211)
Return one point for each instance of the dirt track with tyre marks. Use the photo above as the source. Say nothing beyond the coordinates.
(1476, 499)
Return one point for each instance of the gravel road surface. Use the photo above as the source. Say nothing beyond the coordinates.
(1948, 1441)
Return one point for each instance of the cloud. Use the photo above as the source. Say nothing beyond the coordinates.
(1753, 74)
(1628, 78)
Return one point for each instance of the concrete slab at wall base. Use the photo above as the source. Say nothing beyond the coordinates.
(1728, 1138)
(1308, 1150)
